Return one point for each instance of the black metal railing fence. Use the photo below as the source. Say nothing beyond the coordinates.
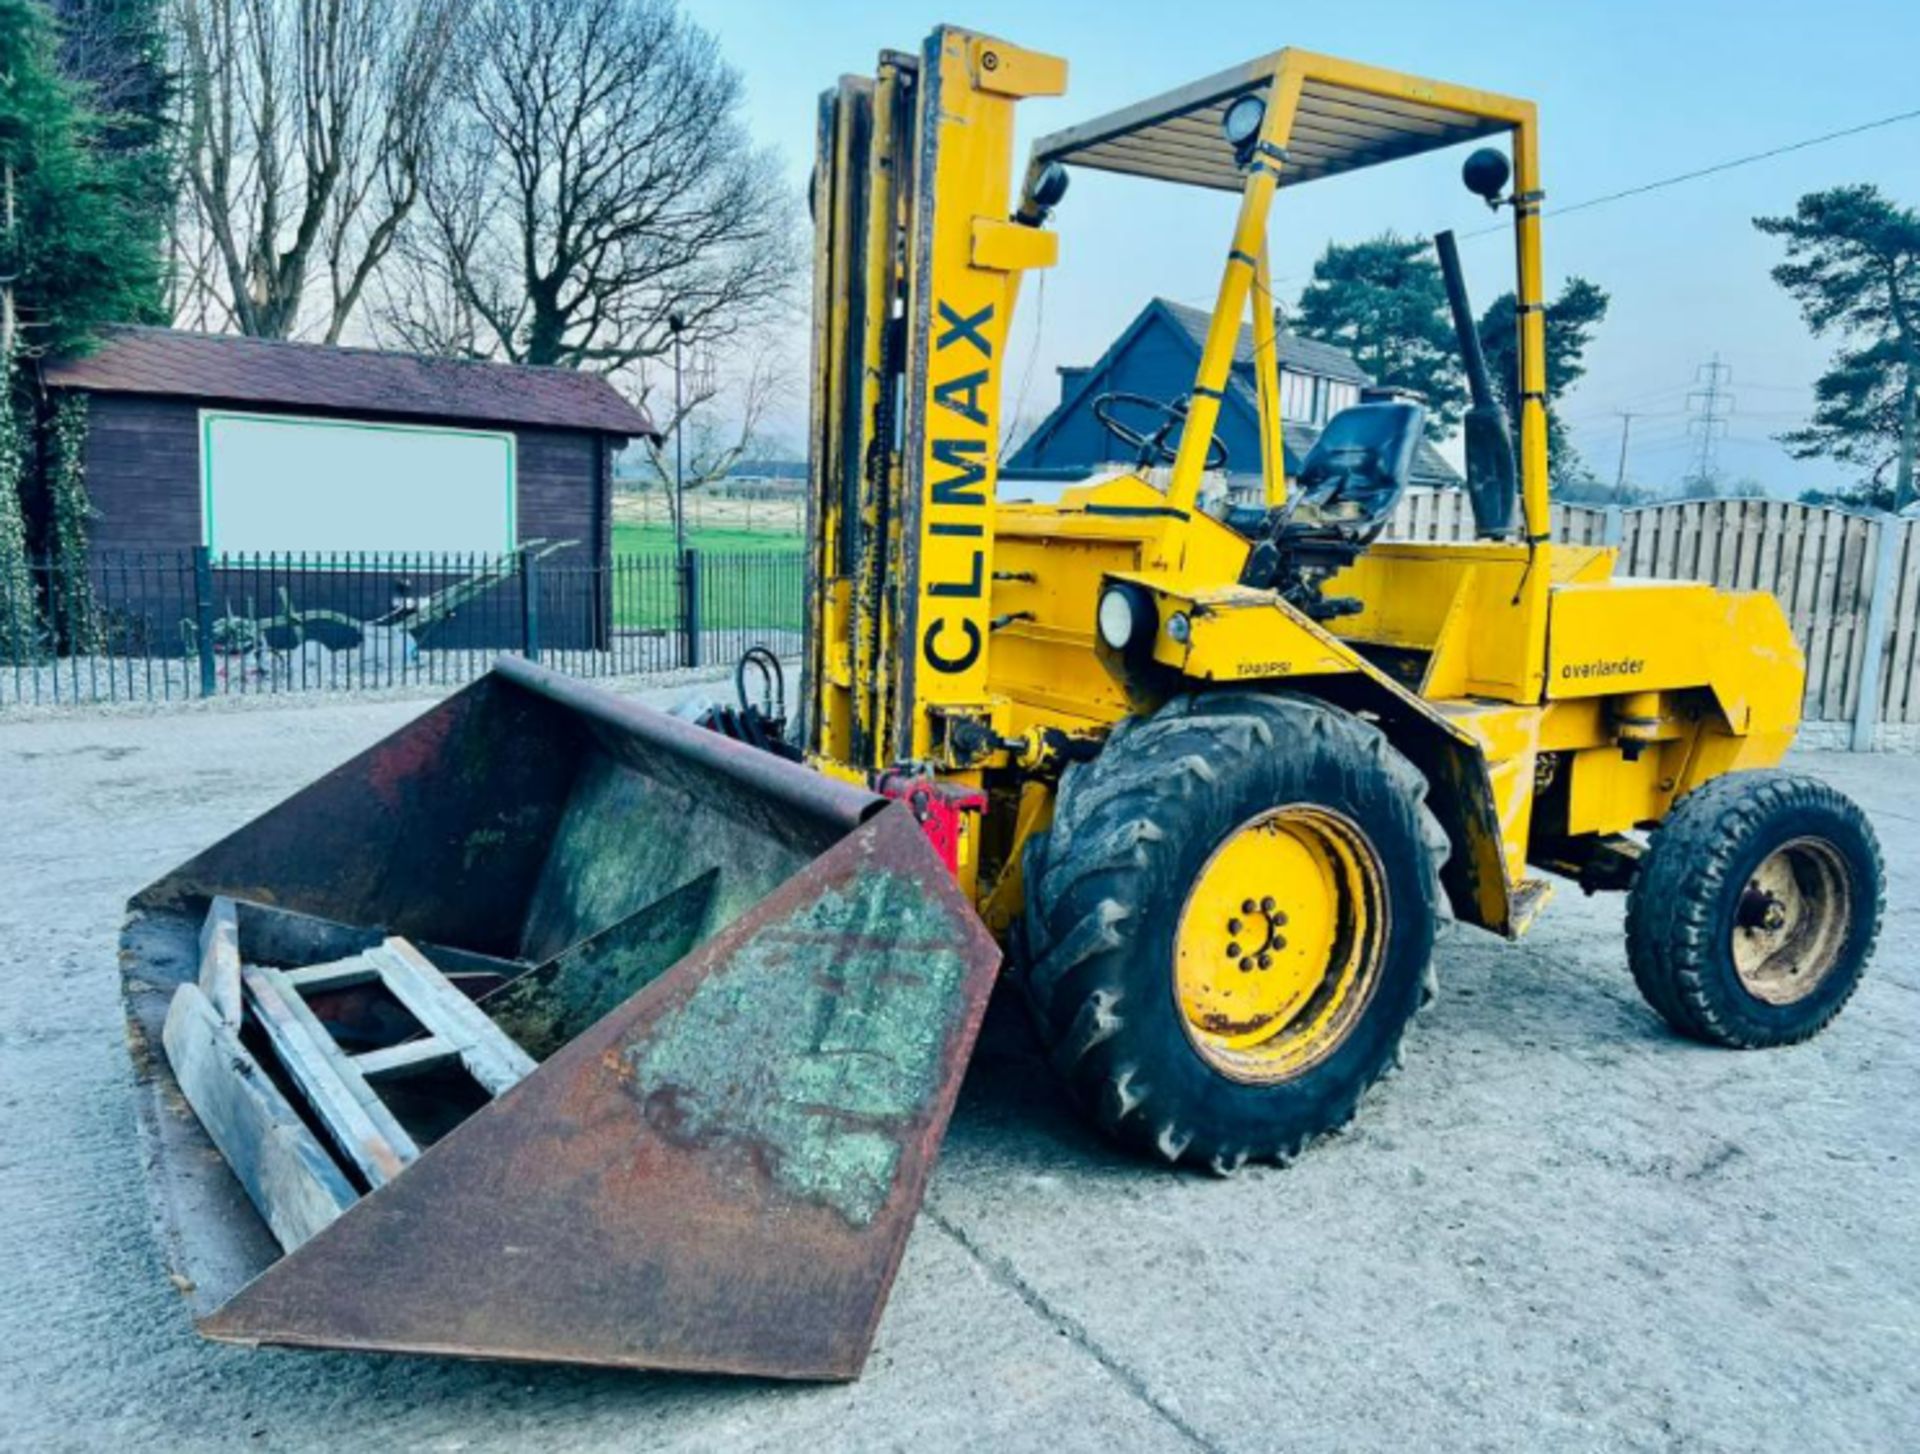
(169, 625)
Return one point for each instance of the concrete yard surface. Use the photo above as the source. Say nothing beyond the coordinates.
(1559, 1227)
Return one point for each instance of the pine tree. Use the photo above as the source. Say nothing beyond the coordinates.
(1384, 302)
(84, 196)
(1853, 265)
(1571, 321)
(76, 246)
(114, 53)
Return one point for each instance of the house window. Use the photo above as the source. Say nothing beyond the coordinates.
(1296, 396)
(1338, 396)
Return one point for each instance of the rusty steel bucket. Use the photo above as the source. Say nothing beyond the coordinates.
(734, 999)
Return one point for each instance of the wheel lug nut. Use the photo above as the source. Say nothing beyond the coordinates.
(1266, 905)
(1249, 907)
(1245, 965)
(1234, 926)
(1279, 941)
(1233, 951)
(1266, 961)
(1279, 916)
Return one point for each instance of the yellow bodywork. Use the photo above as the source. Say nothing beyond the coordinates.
(953, 630)
(1644, 689)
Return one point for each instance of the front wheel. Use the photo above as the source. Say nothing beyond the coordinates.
(1229, 924)
(1755, 909)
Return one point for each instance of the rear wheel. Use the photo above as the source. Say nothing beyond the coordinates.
(1230, 924)
(1755, 909)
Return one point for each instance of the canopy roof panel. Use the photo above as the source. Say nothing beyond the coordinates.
(1349, 116)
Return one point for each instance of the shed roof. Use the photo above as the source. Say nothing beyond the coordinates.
(234, 369)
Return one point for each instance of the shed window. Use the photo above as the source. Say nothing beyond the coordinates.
(282, 484)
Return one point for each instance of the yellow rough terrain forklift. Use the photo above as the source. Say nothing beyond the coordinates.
(555, 1028)
(1218, 778)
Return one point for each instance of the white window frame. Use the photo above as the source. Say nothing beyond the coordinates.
(319, 559)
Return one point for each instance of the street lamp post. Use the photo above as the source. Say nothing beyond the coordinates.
(677, 325)
(685, 566)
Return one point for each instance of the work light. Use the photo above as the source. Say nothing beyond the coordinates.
(1126, 616)
(1241, 126)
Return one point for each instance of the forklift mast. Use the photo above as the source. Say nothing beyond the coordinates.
(918, 254)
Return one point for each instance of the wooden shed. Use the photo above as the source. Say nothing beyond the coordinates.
(334, 458)
(252, 445)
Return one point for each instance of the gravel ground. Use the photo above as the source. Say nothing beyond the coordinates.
(1559, 1227)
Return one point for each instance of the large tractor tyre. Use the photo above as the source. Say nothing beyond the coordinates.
(1755, 909)
(1230, 924)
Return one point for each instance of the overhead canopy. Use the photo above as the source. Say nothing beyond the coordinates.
(1350, 116)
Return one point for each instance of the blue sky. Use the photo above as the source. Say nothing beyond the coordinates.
(1629, 92)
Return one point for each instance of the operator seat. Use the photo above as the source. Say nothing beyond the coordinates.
(1344, 495)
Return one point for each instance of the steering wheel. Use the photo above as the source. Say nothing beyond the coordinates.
(1151, 447)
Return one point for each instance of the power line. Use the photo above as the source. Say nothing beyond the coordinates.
(1620, 476)
(1666, 391)
(1033, 354)
(1693, 176)
(1588, 416)
(1645, 187)
(1716, 168)
(1666, 446)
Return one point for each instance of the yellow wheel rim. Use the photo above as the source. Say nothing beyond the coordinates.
(1279, 943)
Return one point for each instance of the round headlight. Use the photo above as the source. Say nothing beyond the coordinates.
(1241, 124)
(1118, 617)
(1179, 628)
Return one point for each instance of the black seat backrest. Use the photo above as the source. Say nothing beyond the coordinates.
(1358, 468)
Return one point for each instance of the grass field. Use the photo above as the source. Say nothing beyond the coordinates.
(630, 538)
(762, 521)
(751, 576)
(748, 580)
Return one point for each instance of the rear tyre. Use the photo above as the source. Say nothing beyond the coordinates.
(1755, 910)
(1230, 924)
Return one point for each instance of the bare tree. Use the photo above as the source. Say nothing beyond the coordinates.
(716, 425)
(305, 127)
(424, 300)
(595, 179)
(195, 298)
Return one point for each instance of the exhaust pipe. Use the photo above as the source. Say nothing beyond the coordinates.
(1492, 481)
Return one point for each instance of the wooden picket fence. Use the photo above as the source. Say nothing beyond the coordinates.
(1850, 583)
